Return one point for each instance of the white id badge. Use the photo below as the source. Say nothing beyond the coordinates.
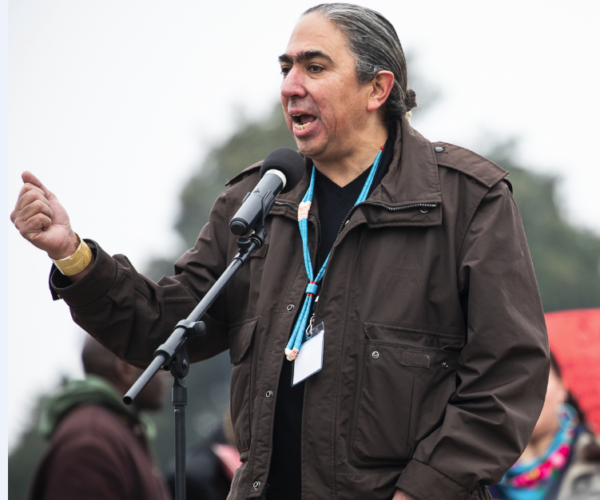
(310, 357)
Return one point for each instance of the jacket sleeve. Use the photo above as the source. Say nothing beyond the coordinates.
(503, 368)
(132, 315)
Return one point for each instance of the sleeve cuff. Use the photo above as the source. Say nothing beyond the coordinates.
(90, 288)
(423, 482)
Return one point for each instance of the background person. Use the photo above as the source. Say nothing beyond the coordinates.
(562, 459)
(98, 447)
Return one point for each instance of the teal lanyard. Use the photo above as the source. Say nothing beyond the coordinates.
(299, 333)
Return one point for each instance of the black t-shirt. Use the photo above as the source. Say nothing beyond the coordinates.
(334, 204)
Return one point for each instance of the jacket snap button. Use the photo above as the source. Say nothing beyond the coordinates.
(290, 307)
(375, 354)
(444, 364)
(424, 210)
(269, 394)
(256, 485)
(439, 149)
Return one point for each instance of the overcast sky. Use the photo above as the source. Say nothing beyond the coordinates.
(112, 104)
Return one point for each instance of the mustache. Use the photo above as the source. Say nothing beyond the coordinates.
(301, 106)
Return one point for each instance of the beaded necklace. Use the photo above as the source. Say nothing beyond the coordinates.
(300, 333)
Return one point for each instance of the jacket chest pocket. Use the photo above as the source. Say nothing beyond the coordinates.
(240, 340)
(403, 396)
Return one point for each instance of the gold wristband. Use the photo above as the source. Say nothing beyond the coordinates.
(70, 266)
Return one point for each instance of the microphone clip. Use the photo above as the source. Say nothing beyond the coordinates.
(253, 241)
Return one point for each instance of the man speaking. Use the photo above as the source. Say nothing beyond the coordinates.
(388, 340)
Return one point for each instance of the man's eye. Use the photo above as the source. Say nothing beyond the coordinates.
(315, 69)
(285, 70)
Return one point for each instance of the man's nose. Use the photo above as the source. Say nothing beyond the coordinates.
(293, 84)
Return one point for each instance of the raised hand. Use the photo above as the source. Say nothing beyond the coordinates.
(42, 220)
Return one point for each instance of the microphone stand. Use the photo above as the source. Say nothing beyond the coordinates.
(173, 355)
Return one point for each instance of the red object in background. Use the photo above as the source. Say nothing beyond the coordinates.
(575, 342)
(229, 456)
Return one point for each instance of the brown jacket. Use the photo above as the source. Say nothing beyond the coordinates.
(96, 454)
(446, 296)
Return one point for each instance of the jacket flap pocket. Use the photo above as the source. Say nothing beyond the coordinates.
(240, 338)
(431, 338)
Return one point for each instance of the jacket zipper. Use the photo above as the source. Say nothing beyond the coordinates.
(387, 207)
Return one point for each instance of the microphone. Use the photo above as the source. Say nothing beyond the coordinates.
(280, 172)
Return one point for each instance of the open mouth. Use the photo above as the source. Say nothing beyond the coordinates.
(302, 120)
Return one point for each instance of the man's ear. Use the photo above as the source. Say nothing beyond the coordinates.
(381, 86)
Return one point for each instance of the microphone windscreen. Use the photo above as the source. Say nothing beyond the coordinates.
(287, 161)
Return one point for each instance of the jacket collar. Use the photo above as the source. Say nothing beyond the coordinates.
(412, 179)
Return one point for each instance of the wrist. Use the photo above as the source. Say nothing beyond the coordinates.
(77, 262)
(68, 250)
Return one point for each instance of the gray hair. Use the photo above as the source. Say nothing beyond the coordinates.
(375, 46)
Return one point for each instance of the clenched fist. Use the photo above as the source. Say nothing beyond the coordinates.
(42, 220)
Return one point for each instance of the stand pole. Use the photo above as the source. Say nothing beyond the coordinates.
(173, 353)
(180, 391)
(179, 368)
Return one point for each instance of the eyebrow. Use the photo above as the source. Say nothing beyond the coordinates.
(306, 55)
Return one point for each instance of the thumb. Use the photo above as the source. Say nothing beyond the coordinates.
(32, 179)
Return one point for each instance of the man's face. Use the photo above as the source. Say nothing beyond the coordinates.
(323, 103)
(555, 395)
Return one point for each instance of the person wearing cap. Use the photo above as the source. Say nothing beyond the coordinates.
(388, 340)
